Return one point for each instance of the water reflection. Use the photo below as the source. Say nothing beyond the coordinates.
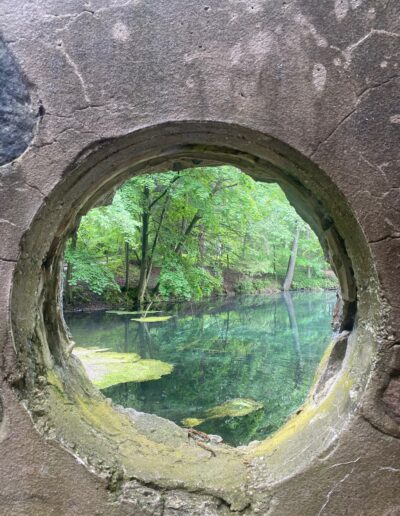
(265, 348)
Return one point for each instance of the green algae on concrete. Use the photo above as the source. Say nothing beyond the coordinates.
(236, 407)
(153, 451)
(107, 368)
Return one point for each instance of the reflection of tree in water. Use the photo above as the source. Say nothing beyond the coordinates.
(244, 347)
(295, 338)
(145, 347)
(126, 335)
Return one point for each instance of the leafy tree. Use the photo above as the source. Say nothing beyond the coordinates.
(193, 226)
(93, 253)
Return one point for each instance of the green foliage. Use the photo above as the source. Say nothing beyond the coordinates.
(200, 222)
(260, 284)
(301, 281)
(248, 285)
(180, 279)
(244, 286)
(90, 272)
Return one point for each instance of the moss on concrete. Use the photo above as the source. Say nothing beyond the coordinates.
(109, 439)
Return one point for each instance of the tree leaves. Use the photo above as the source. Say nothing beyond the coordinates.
(205, 219)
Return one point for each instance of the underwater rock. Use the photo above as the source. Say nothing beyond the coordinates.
(107, 368)
(236, 407)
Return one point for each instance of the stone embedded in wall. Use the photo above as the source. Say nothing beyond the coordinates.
(17, 118)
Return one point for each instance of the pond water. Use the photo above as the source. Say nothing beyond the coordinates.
(260, 351)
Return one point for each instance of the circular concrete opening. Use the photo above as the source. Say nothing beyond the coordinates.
(62, 401)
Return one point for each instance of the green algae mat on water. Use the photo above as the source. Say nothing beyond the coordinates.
(153, 319)
(107, 368)
(126, 312)
(237, 407)
(245, 349)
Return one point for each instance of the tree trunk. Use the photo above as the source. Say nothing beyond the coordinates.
(178, 247)
(308, 236)
(292, 261)
(202, 243)
(144, 259)
(155, 240)
(146, 253)
(68, 276)
(126, 266)
(189, 229)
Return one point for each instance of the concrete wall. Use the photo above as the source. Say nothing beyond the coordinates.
(303, 92)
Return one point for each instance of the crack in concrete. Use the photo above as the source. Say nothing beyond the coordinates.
(77, 110)
(328, 496)
(113, 7)
(382, 239)
(341, 122)
(5, 221)
(34, 187)
(344, 463)
(75, 68)
(348, 115)
(165, 491)
(389, 468)
(369, 88)
(348, 51)
(374, 166)
(368, 193)
(7, 260)
(73, 17)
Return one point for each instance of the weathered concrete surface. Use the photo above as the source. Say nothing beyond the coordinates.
(302, 92)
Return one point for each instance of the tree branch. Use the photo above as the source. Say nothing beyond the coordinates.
(164, 192)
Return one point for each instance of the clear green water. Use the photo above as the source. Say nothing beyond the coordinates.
(261, 347)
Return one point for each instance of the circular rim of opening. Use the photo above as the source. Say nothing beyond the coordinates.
(36, 288)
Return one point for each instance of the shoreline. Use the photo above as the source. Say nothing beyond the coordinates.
(92, 308)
